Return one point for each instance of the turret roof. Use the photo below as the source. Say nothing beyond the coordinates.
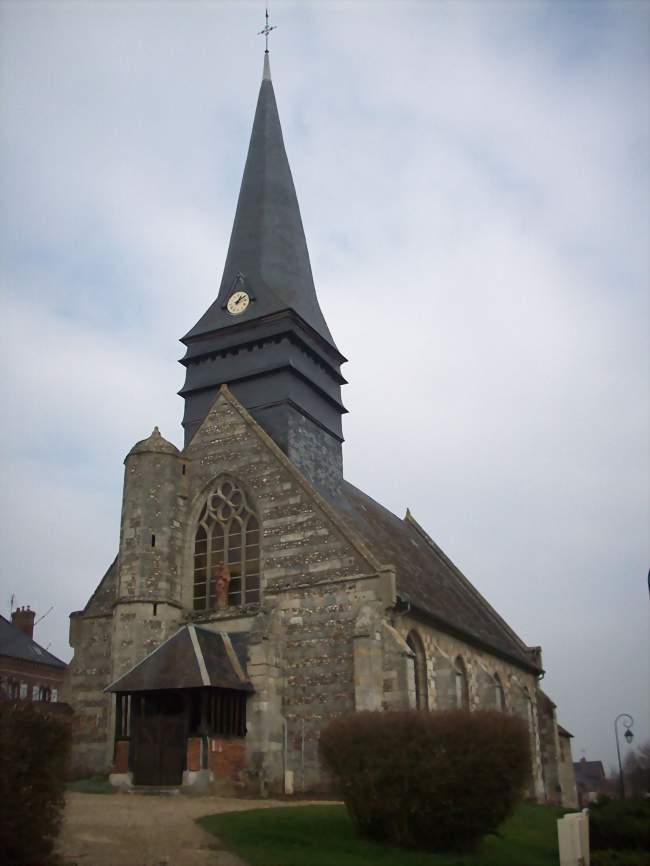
(154, 443)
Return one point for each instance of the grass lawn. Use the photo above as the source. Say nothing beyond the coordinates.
(325, 836)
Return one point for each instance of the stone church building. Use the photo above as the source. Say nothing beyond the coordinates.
(257, 593)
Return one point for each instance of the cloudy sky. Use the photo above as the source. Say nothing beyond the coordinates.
(473, 179)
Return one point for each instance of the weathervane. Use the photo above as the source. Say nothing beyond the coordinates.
(267, 30)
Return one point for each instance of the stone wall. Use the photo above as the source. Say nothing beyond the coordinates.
(549, 747)
(151, 531)
(89, 672)
(566, 773)
(317, 454)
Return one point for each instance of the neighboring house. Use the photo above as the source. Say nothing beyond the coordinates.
(256, 593)
(590, 780)
(28, 672)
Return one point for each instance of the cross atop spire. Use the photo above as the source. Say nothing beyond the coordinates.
(267, 29)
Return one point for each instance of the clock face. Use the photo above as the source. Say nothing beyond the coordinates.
(237, 303)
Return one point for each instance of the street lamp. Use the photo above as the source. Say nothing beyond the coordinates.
(628, 721)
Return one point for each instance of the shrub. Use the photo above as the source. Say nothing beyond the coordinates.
(620, 858)
(437, 780)
(33, 754)
(620, 825)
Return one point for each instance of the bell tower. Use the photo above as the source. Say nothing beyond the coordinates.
(265, 335)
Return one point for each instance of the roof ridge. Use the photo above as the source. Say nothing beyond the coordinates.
(389, 531)
(409, 519)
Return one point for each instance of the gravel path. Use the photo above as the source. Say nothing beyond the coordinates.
(141, 830)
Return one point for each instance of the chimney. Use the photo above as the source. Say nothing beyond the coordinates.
(23, 618)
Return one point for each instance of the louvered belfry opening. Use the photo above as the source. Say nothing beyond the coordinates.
(227, 541)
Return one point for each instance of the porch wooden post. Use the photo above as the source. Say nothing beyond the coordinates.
(118, 716)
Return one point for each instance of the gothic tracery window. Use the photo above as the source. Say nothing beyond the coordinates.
(226, 550)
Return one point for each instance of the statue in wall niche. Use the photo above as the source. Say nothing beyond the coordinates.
(222, 575)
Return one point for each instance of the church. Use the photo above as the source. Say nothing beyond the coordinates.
(256, 593)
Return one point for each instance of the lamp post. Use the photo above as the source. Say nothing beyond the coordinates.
(628, 721)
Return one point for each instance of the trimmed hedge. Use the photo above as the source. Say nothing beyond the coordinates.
(620, 825)
(436, 781)
(33, 754)
(620, 858)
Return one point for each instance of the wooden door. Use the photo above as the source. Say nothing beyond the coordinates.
(159, 749)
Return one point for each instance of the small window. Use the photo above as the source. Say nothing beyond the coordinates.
(153, 540)
(499, 694)
(23, 691)
(54, 696)
(414, 642)
(35, 693)
(462, 685)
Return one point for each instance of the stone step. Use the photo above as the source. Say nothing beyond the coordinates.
(155, 790)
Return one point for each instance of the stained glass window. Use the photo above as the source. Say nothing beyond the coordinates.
(226, 550)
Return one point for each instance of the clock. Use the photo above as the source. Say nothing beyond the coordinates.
(237, 303)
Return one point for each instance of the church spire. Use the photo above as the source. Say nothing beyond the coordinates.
(265, 335)
(267, 257)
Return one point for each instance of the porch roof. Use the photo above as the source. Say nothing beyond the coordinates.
(193, 657)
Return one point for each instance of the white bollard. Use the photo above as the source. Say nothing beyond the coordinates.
(584, 832)
(573, 839)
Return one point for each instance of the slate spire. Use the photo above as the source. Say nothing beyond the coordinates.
(265, 335)
(267, 256)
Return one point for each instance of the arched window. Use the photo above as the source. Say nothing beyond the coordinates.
(415, 644)
(462, 685)
(226, 550)
(499, 694)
